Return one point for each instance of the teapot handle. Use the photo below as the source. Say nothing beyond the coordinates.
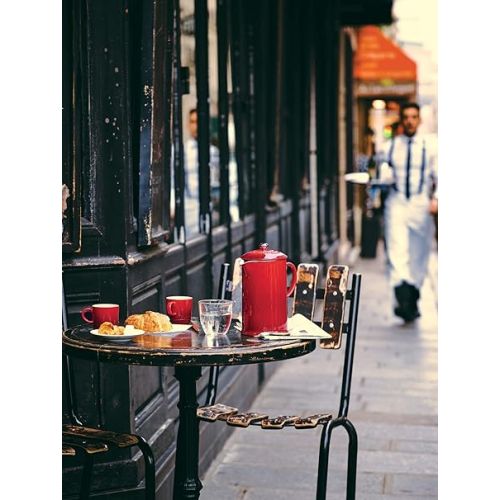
(291, 288)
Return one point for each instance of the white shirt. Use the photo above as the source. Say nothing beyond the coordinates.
(423, 164)
(191, 168)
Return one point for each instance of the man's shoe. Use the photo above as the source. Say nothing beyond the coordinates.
(415, 296)
(407, 296)
(403, 294)
(401, 312)
(406, 313)
(404, 297)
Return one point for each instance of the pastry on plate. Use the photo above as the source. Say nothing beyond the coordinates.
(150, 321)
(107, 328)
(136, 320)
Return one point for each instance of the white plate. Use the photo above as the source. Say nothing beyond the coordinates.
(117, 338)
(180, 328)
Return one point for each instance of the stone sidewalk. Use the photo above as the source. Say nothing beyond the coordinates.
(393, 406)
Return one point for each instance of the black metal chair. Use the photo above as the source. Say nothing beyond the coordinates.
(91, 441)
(333, 299)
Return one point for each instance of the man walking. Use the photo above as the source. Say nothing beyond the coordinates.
(410, 166)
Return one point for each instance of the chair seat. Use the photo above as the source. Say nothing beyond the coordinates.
(88, 446)
(67, 450)
(232, 416)
(108, 437)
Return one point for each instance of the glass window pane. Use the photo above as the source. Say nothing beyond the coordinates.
(190, 120)
(233, 166)
(214, 112)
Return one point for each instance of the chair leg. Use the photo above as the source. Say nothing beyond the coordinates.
(216, 383)
(149, 468)
(352, 459)
(324, 451)
(213, 381)
(86, 476)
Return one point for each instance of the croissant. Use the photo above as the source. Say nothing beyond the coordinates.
(107, 328)
(150, 321)
(137, 320)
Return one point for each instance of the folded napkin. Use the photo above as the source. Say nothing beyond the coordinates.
(299, 327)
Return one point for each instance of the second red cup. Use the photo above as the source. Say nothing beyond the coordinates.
(179, 308)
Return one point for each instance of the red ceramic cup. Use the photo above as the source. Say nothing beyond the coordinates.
(179, 308)
(99, 313)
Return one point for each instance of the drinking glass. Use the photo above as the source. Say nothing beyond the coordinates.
(215, 316)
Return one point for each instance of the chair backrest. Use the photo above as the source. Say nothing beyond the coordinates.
(331, 302)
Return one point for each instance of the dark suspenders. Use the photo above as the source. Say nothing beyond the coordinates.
(422, 169)
(422, 166)
(391, 150)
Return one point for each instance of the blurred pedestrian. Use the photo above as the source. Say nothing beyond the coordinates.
(411, 167)
(191, 196)
(371, 222)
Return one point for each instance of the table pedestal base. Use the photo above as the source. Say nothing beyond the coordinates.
(187, 485)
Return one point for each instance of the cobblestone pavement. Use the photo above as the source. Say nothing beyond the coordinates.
(393, 406)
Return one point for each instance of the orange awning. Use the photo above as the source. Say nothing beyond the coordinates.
(379, 64)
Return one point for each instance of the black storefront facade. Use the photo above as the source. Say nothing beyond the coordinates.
(278, 71)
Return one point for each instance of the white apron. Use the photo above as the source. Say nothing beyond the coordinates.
(409, 232)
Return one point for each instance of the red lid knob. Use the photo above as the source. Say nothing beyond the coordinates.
(264, 253)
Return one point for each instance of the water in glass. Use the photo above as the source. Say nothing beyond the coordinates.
(215, 316)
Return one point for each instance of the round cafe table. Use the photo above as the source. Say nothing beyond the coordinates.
(187, 352)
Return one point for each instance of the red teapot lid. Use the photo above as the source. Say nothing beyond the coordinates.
(264, 253)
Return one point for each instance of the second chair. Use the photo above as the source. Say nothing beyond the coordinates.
(332, 299)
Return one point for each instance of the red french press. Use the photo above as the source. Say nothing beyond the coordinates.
(265, 291)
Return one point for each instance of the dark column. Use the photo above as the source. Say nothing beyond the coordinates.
(202, 95)
(178, 149)
(187, 485)
(259, 43)
(222, 55)
(239, 73)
